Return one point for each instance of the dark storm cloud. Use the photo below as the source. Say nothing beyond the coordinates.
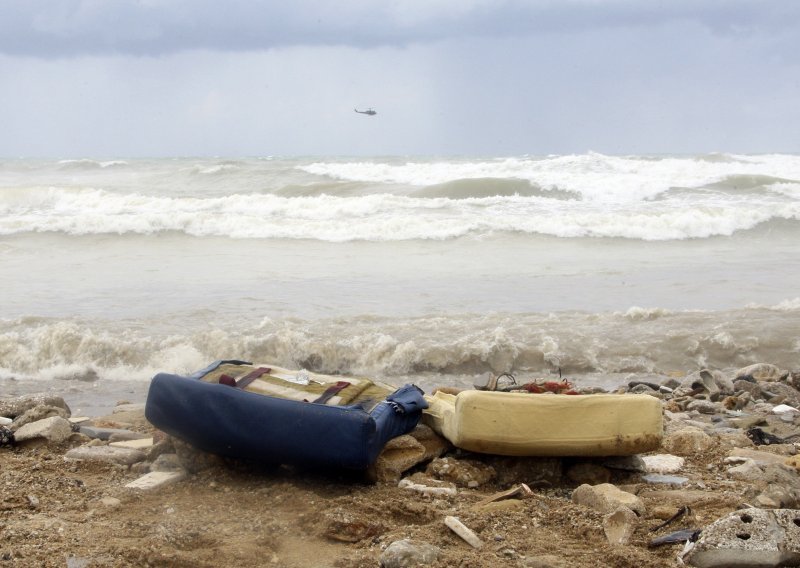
(63, 28)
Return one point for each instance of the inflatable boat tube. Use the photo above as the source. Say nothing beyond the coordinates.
(229, 421)
(522, 424)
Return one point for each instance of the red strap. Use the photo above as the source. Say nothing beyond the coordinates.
(331, 391)
(252, 376)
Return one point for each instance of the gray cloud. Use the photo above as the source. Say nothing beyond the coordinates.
(63, 28)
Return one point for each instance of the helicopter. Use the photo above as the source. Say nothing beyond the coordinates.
(369, 111)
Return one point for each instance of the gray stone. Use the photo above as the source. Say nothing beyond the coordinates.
(658, 478)
(748, 471)
(122, 456)
(748, 538)
(13, 407)
(54, 429)
(782, 393)
(607, 498)
(408, 553)
(704, 407)
(620, 525)
(759, 457)
(39, 412)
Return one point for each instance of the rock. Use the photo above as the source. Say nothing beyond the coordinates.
(759, 457)
(155, 480)
(620, 525)
(122, 456)
(793, 462)
(466, 473)
(54, 429)
(782, 393)
(434, 444)
(761, 372)
(398, 455)
(663, 463)
(753, 389)
(128, 407)
(342, 526)
(588, 473)
(110, 502)
(687, 442)
(704, 407)
(665, 479)
(748, 538)
(39, 412)
(748, 471)
(13, 407)
(607, 498)
(143, 444)
(408, 553)
(106, 433)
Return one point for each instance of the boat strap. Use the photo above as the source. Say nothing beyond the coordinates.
(331, 391)
(252, 376)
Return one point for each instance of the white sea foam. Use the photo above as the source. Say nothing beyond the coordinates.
(379, 217)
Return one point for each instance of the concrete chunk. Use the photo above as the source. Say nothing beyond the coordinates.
(138, 444)
(607, 498)
(54, 429)
(123, 456)
(156, 479)
(749, 538)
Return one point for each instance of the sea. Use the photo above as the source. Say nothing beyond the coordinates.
(439, 271)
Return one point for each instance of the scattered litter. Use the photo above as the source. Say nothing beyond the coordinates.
(520, 491)
(685, 535)
(461, 530)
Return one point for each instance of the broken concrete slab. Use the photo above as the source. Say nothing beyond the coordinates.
(748, 538)
(54, 429)
(122, 456)
(137, 444)
(156, 479)
(663, 463)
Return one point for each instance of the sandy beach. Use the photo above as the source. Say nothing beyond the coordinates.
(58, 511)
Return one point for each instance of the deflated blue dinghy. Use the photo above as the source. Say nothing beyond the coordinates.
(265, 413)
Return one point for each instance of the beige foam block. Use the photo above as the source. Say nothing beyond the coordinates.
(139, 444)
(156, 479)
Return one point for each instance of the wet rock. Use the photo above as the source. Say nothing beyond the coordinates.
(466, 473)
(39, 412)
(607, 498)
(748, 538)
(408, 553)
(588, 473)
(122, 456)
(687, 442)
(54, 429)
(13, 407)
(620, 525)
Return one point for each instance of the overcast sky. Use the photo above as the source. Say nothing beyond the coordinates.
(117, 78)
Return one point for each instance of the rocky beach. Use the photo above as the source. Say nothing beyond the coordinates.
(723, 489)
